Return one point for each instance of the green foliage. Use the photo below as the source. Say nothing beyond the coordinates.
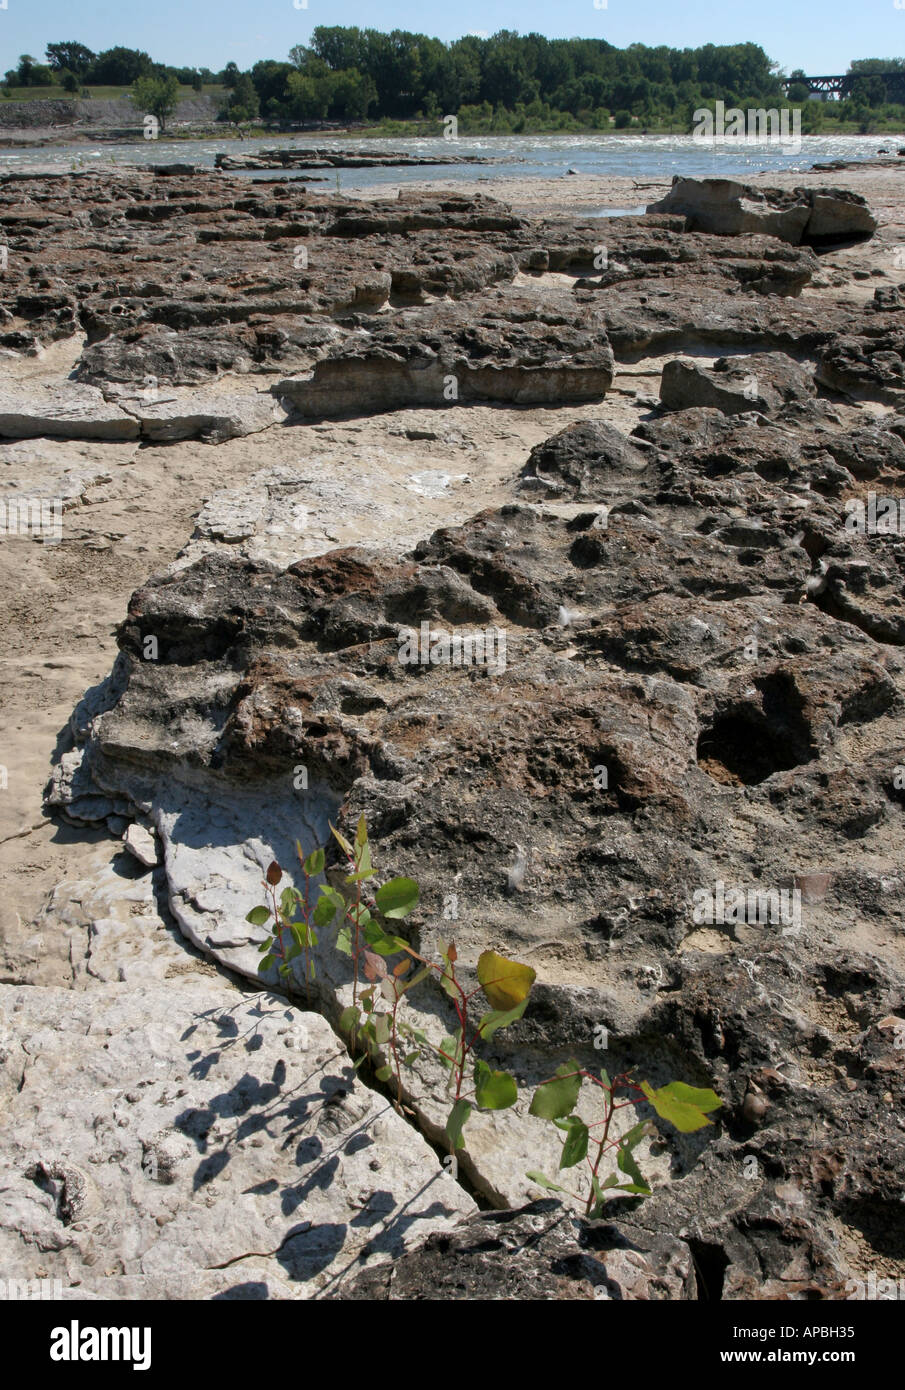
(364, 925)
(156, 96)
(363, 922)
(684, 1107)
(242, 102)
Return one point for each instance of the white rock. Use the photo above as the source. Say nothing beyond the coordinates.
(140, 843)
(162, 1142)
(64, 410)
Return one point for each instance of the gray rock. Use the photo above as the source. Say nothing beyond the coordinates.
(204, 415)
(68, 410)
(141, 845)
(760, 382)
(188, 1141)
(813, 217)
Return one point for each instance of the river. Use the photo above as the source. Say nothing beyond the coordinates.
(523, 156)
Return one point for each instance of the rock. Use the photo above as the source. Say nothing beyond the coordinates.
(60, 469)
(814, 217)
(736, 385)
(838, 216)
(559, 1257)
(299, 669)
(510, 350)
(186, 1135)
(294, 157)
(210, 417)
(581, 460)
(141, 845)
(66, 411)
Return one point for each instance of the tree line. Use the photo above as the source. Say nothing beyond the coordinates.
(506, 82)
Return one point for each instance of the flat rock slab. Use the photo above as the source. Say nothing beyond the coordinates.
(68, 410)
(209, 416)
(189, 1141)
(54, 468)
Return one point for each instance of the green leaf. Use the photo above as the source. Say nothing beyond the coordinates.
(383, 1028)
(344, 941)
(342, 842)
(379, 941)
(383, 1073)
(634, 1135)
(544, 1182)
(598, 1188)
(456, 1123)
(505, 982)
(258, 916)
(605, 1078)
(266, 961)
(325, 909)
(416, 979)
(348, 1019)
(576, 1146)
(556, 1098)
(625, 1162)
(398, 897)
(494, 1090)
(362, 850)
(288, 900)
(411, 1057)
(266, 945)
(500, 1018)
(451, 1047)
(314, 864)
(683, 1106)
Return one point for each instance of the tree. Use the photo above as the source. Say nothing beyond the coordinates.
(69, 57)
(242, 104)
(230, 75)
(156, 96)
(70, 82)
(120, 67)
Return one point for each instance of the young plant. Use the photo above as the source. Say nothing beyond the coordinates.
(366, 933)
(684, 1107)
(293, 929)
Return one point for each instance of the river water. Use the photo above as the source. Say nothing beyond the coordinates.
(521, 156)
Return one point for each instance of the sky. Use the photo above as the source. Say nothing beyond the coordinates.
(819, 36)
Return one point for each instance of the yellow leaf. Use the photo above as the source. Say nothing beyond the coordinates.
(505, 982)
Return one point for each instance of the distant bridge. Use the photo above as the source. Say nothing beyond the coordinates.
(841, 84)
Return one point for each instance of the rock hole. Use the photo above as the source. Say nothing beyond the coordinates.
(710, 1265)
(746, 743)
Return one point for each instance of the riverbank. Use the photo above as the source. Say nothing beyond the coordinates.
(452, 408)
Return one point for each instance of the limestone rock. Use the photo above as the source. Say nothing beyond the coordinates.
(70, 410)
(815, 217)
(189, 1141)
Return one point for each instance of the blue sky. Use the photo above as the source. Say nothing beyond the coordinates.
(820, 36)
